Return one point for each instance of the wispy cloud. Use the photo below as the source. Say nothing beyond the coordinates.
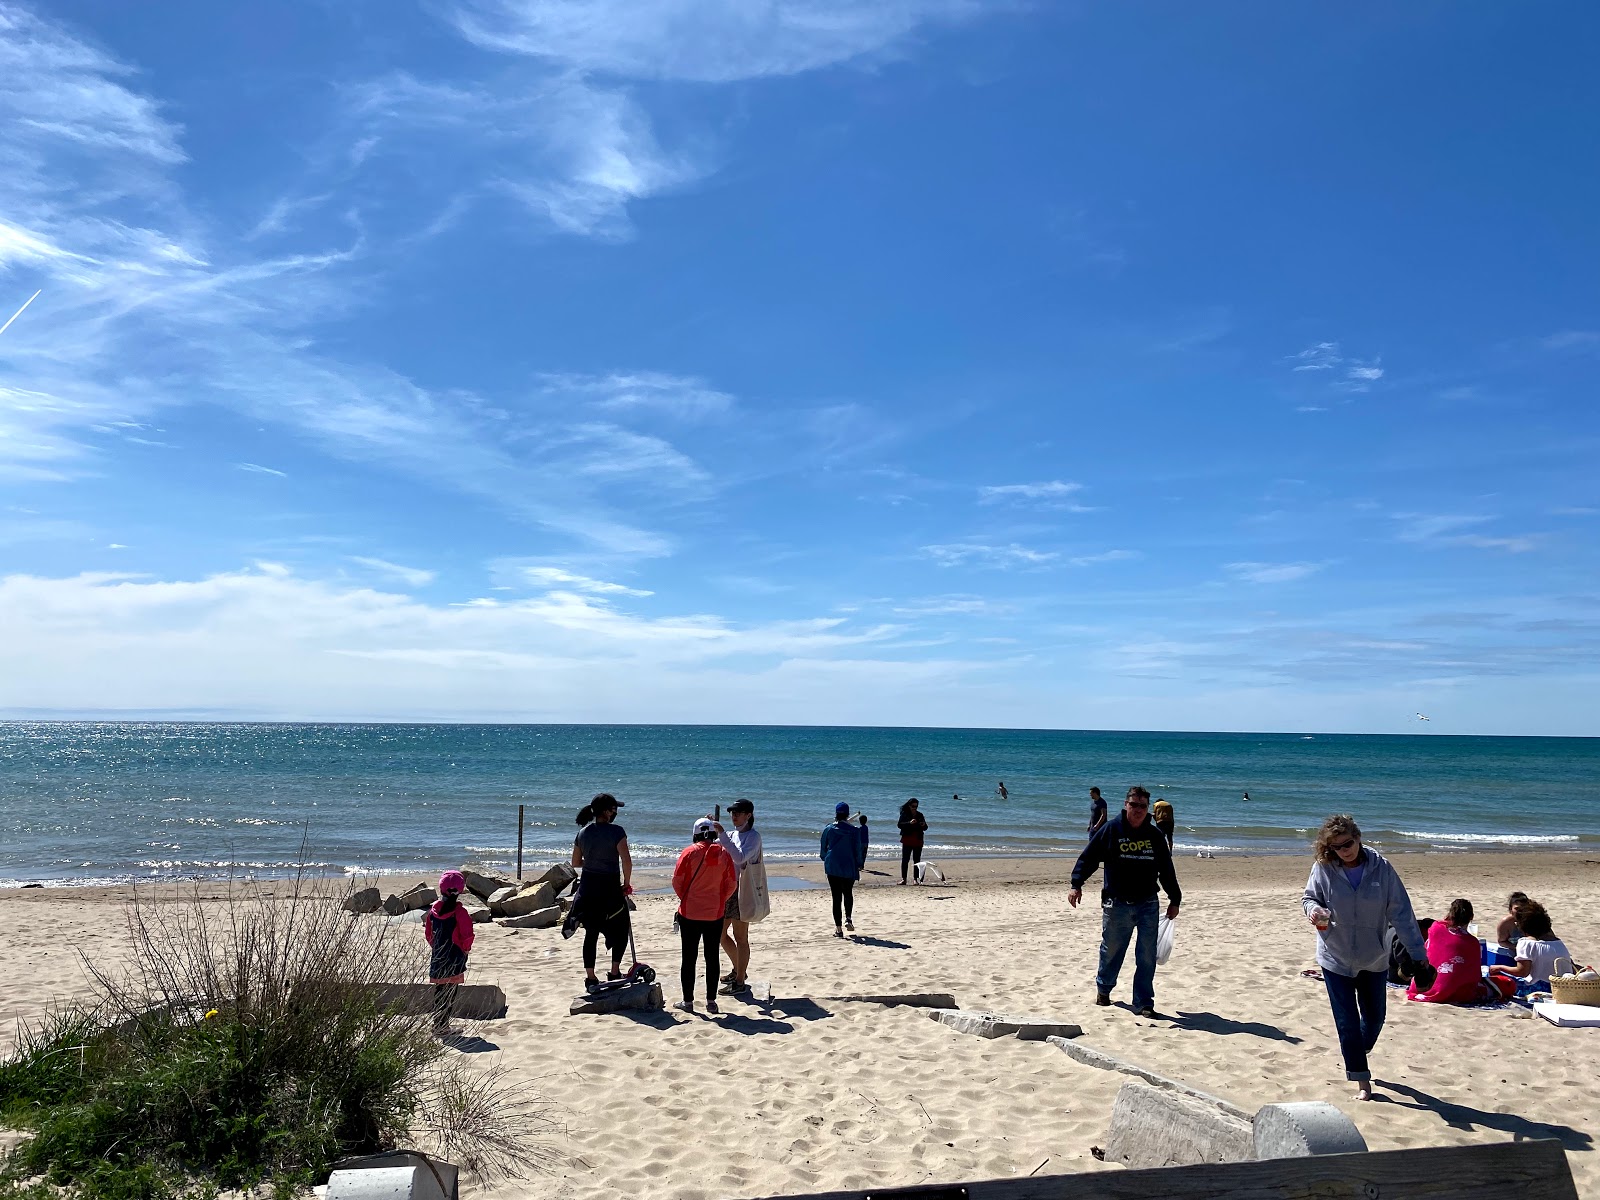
(1259, 572)
(258, 469)
(700, 42)
(1447, 529)
(1344, 373)
(679, 397)
(574, 153)
(1052, 494)
(1104, 556)
(953, 606)
(1572, 339)
(555, 578)
(410, 576)
(957, 554)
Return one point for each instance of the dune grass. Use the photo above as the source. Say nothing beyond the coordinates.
(244, 1050)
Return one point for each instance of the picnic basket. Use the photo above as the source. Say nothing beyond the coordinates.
(1574, 991)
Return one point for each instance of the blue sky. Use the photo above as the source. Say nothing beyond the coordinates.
(1132, 365)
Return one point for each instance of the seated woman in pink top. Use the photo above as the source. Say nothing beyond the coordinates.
(1457, 958)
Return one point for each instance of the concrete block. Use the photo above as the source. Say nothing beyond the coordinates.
(1157, 1127)
(646, 997)
(364, 900)
(474, 1001)
(995, 1025)
(1091, 1057)
(1302, 1129)
(906, 999)
(436, 1179)
(542, 918)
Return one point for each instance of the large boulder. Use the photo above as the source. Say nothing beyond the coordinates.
(477, 908)
(419, 897)
(561, 876)
(542, 918)
(365, 900)
(393, 905)
(484, 886)
(529, 899)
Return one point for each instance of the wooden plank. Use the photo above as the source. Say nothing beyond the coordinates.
(1532, 1170)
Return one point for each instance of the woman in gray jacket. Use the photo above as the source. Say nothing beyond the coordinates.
(1353, 898)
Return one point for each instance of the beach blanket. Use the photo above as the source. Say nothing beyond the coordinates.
(1568, 1016)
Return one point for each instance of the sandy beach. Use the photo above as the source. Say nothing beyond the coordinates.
(811, 1093)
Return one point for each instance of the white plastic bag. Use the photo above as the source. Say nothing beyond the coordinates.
(1164, 937)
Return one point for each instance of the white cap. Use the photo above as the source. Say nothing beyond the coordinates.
(701, 826)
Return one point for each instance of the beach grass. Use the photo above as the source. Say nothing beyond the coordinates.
(244, 1049)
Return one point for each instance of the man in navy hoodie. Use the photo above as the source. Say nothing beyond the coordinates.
(1136, 858)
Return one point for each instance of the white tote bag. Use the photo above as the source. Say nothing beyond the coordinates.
(754, 903)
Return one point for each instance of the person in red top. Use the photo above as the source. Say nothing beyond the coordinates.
(1456, 956)
(703, 880)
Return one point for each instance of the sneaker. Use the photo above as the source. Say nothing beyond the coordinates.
(613, 974)
(729, 977)
(850, 925)
(684, 1006)
(837, 932)
(902, 883)
(1103, 999)
(711, 1006)
(1147, 1011)
(591, 986)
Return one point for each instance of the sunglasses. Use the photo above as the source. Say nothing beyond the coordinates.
(1137, 804)
(1342, 846)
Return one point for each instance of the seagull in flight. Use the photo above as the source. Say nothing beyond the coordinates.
(1420, 717)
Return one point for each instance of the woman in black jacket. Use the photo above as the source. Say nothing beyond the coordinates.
(912, 826)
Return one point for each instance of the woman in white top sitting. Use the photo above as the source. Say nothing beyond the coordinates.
(1537, 948)
(743, 845)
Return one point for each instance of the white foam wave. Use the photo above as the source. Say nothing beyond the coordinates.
(1513, 839)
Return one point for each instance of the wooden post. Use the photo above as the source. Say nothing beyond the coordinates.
(520, 809)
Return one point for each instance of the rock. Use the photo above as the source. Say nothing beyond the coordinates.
(497, 898)
(994, 1025)
(529, 899)
(26, 886)
(641, 995)
(484, 886)
(561, 876)
(542, 918)
(419, 898)
(1155, 1127)
(479, 910)
(394, 905)
(1302, 1129)
(366, 900)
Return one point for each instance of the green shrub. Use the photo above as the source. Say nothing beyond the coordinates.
(244, 1049)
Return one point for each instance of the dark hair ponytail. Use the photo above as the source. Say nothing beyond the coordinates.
(586, 814)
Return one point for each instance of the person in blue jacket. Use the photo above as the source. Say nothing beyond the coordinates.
(844, 853)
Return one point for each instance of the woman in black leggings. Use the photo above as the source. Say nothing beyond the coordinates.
(703, 880)
(912, 826)
(601, 903)
(844, 853)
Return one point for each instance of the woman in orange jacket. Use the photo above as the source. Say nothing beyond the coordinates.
(703, 880)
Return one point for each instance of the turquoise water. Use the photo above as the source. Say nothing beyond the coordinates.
(113, 801)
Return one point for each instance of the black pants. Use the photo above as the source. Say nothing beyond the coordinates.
(844, 890)
(603, 909)
(908, 855)
(699, 935)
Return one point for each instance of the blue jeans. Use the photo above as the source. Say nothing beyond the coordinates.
(1359, 1003)
(1119, 918)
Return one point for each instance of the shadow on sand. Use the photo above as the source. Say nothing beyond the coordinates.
(1460, 1116)
(1206, 1022)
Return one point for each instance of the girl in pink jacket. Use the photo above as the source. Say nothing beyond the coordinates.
(448, 928)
